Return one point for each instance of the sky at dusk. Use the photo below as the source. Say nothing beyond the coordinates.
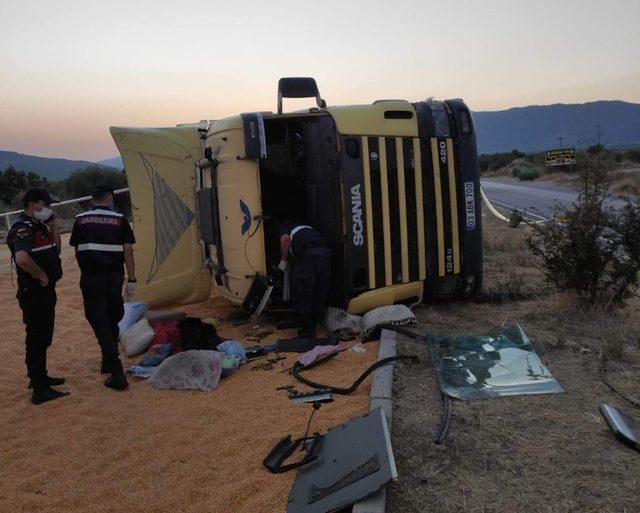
(70, 69)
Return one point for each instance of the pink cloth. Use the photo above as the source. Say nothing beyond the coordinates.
(167, 333)
(316, 353)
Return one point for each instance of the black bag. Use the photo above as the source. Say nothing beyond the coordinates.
(196, 334)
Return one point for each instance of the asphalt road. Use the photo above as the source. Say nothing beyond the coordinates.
(536, 200)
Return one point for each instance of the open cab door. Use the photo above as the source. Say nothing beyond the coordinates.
(160, 164)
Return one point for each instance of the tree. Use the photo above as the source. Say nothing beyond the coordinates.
(81, 183)
(35, 180)
(12, 184)
(591, 248)
(595, 149)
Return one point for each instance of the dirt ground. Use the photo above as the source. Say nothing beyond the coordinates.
(99, 450)
(550, 453)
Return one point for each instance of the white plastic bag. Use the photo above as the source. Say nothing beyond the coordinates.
(137, 338)
(398, 315)
(132, 313)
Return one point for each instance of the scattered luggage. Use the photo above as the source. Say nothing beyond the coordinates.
(137, 338)
(133, 311)
(189, 370)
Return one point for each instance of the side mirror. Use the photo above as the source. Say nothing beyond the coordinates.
(298, 87)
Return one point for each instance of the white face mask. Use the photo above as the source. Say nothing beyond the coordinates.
(43, 214)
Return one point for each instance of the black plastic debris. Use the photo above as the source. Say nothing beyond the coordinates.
(626, 429)
(302, 344)
(354, 460)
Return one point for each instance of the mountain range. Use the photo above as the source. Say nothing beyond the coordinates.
(528, 129)
(51, 168)
(545, 127)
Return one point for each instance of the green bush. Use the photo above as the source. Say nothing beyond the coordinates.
(495, 161)
(529, 174)
(14, 183)
(515, 172)
(595, 149)
(632, 155)
(81, 183)
(589, 248)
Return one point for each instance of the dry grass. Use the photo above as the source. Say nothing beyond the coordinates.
(511, 271)
(523, 454)
(512, 169)
(625, 180)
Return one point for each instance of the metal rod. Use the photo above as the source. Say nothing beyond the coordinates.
(66, 202)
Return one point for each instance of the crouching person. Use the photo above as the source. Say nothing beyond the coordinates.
(103, 242)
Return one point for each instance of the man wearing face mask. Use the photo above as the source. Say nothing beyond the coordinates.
(34, 242)
(103, 241)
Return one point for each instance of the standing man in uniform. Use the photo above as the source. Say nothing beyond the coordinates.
(34, 242)
(103, 241)
(311, 273)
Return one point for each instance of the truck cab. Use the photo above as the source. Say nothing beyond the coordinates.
(392, 186)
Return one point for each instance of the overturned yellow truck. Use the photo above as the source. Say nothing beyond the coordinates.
(393, 186)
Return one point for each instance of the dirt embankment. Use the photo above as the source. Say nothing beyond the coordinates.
(625, 176)
(524, 454)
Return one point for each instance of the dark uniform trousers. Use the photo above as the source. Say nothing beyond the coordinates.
(38, 305)
(104, 307)
(311, 281)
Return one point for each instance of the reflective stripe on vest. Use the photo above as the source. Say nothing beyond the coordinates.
(297, 229)
(293, 232)
(91, 246)
(42, 248)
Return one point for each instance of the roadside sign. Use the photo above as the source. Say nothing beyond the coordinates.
(561, 157)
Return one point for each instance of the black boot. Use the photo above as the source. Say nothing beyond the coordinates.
(44, 393)
(117, 380)
(105, 367)
(308, 329)
(48, 380)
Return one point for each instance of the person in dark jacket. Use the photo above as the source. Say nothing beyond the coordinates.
(103, 242)
(311, 272)
(34, 242)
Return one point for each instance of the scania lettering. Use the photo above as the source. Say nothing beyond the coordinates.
(356, 209)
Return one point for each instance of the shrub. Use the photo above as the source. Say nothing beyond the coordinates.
(591, 249)
(81, 183)
(495, 161)
(633, 155)
(595, 149)
(515, 172)
(529, 174)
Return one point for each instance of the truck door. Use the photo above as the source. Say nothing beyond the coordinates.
(236, 182)
(160, 164)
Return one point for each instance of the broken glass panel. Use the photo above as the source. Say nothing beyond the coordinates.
(501, 363)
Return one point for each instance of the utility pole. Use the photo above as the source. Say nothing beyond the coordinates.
(560, 143)
(598, 147)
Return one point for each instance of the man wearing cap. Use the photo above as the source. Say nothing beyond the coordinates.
(103, 242)
(34, 242)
